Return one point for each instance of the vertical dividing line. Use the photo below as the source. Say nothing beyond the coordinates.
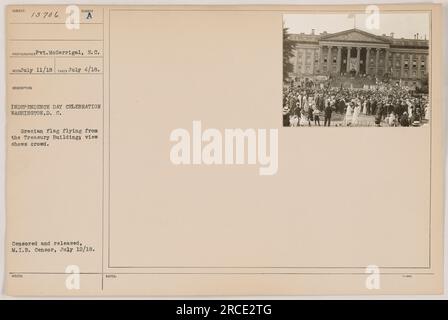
(431, 110)
(108, 138)
(102, 174)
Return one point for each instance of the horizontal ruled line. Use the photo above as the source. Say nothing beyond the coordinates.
(54, 73)
(101, 40)
(84, 23)
(226, 273)
(50, 56)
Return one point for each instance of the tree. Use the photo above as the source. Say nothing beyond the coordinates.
(288, 47)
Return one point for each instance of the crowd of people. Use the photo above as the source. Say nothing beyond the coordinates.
(387, 105)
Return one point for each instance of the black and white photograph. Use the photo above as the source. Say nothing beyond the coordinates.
(356, 69)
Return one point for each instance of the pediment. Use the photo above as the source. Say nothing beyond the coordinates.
(354, 35)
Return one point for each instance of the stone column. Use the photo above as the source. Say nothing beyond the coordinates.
(402, 65)
(377, 57)
(329, 60)
(411, 64)
(419, 62)
(303, 60)
(358, 56)
(348, 58)
(318, 57)
(338, 60)
(313, 53)
(393, 65)
(367, 60)
(386, 61)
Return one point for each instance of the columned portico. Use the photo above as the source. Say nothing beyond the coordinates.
(353, 59)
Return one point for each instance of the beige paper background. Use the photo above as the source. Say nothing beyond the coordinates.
(343, 198)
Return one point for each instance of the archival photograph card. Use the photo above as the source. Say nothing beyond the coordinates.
(224, 150)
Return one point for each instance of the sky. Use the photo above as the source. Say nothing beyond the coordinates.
(403, 25)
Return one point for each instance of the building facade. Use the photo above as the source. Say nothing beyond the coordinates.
(356, 52)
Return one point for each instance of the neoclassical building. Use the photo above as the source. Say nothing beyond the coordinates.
(357, 52)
